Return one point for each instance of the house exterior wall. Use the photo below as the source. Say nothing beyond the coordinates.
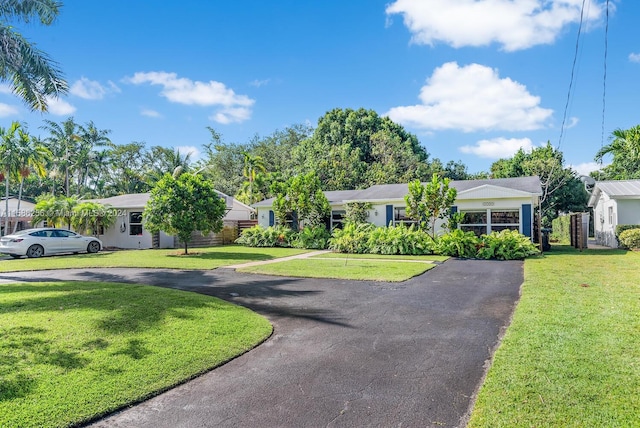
(628, 211)
(605, 221)
(120, 234)
(239, 212)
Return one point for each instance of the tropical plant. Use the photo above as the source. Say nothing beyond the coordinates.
(357, 212)
(272, 236)
(180, 206)
(352, 238)
(426, 204)
(31, 74)
(89, 217)
(302, 198)
(625, 150)
(63, 142)
(399, 240)
(312, 237)
(457, 244)
(505, 245)
(9, 158)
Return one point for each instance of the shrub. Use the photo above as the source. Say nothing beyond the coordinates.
(312, 237)
(457, 244)
(272, 236)
(399, 240)
(622, 227)
(352, 238)
(630, 238)
(560, 228)
(505, 245)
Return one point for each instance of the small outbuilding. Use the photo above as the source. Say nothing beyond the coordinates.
(19, 216)
(614, 203)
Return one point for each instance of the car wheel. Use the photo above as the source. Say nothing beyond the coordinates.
(15, 256)
(93, 247)
(35, 251)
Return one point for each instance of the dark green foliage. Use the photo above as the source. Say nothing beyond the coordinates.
(431, 202)
(272, 236)
(630, 238)
(312, 238)
(505, 245)
(625, 149)
(301, 196)
(352, 238)
(399, 240)
(458, 244)
(180, 206)
(561, 226)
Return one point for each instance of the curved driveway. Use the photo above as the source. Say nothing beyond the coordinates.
(343, 353)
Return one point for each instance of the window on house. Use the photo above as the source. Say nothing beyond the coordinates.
(610, 215)
(487, 221)
(337, 219)
(135, 223)
(474, 221)
(501, 220)
(400, 216)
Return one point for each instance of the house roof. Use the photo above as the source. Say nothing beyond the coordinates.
(389, 192)
(26, 208)
(617, 189)
(139, 200)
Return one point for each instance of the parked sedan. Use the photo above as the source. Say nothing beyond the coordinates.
(46, 241)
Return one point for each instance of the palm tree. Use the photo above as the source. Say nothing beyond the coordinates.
(253, 164)
(85, 158)
(32, 156)
(625, 149)
(10, 160)
(63, 144)
(32, 75)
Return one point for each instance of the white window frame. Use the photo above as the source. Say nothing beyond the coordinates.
(489, 225)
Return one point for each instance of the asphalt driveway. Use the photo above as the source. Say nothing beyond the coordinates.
(343, 353)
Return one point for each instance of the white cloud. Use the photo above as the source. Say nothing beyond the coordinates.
(634, 57)
(258, 83)
(194, 151)
(231, 115)
(7, 110)
(150, 113)
(88, 89)
(498, 148)
(233, 107)
(472, 98)
(59, 107)
(5, 89)
(586, 167)
(514, 24)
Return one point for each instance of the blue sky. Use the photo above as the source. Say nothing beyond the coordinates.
(474, 80)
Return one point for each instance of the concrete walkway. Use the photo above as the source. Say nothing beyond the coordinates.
(343, 353)
(278, 260)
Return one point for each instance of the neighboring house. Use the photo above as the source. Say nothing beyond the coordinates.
(614, 203)
(488, 205)
(129, 231)
(22, 216)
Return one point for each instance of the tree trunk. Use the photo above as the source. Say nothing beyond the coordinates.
(6, 204)
(15, 226)
(185, 248)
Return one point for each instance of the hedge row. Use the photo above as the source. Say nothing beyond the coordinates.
(394, 240)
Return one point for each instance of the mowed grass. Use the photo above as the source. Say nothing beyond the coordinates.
(199, 258)
(71, 351)
(432, 257)
(571, 357)
(369, 270)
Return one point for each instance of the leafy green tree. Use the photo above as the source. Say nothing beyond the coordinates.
(55, 210)
(162, 160)
(63, 142)
(127, 169)
(31, 74)
(562, 191)
(301, 196)
(253, 165)
(88, 217)
(180, 206)
(625, 149)
(428, 203)
(10, 161)
(357, 212)
(352, 149)
(32, 156)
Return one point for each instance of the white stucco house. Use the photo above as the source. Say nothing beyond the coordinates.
(489, 205)
(129, 232)
(614, 203)
(22, 217)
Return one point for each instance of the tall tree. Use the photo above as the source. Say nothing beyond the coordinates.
(428, 203)
(183, 205)
(562, 191)
(162, 160)
(10, 161)
(32, 75)
(301, 198)
(253, 165)
(63, 142)
(86, 158)
(625, 150)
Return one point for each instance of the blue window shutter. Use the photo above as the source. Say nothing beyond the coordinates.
(526, 220)
(389, 214)
(272, 218)
(294, 220)
(454, 209)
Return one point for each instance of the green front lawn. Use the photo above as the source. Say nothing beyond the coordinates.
(71, 351)
(199, 258)
(432, 257)
(571, 356)
(369, 270)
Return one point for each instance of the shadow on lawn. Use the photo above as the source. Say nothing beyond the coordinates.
(249, 257)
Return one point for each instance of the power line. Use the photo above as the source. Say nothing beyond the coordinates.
(573, 69)
(604, 78)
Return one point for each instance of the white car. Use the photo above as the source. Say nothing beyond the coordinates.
(46, 241)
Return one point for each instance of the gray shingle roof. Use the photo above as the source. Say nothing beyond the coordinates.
(398, 191)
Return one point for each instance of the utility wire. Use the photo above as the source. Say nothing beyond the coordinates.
(604, 78)
(573, 70)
